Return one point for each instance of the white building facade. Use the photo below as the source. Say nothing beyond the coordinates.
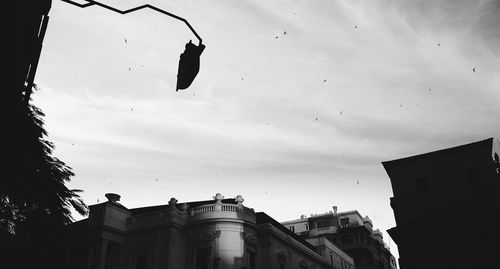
(213, 234)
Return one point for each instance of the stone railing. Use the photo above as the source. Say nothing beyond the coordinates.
(202, 209)
(219, 207)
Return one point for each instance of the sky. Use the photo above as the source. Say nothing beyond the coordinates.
(295, 106)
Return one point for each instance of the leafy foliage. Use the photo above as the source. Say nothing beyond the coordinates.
(34, 201)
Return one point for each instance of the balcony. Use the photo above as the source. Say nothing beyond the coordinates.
(219, 210)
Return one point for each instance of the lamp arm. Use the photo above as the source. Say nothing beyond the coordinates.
(91, 3)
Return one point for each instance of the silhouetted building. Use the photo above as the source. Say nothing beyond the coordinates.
(351, 233)
(446, 204)
(213, 234)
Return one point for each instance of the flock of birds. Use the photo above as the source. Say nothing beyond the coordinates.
(474, 69)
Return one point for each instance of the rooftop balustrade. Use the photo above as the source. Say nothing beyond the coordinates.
(216, 210)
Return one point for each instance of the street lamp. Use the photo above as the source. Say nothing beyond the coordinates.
(189, 62)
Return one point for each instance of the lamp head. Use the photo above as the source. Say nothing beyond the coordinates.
(189, 65)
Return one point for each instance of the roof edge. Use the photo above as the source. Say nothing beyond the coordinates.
(477, 144)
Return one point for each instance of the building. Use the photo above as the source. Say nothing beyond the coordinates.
(446, 204)
(351, 233)
(212, 234)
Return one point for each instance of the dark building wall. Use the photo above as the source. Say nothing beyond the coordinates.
(446, 204)
(446, 180)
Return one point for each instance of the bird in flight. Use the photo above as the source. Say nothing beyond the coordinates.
(355, 27)
(324, 80)
(439, 44)
(284, 33)
(474, 70)
(125, 41)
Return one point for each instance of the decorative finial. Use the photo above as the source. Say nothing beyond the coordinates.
(112, 197)
(172, 201)
(239, 199)
(218, 197)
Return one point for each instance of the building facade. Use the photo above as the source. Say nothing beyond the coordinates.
(213, 234)
(349, 232)
(446, 204)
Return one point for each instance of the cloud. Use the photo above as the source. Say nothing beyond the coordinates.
(313, 110)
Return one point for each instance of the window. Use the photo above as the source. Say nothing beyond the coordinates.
(344, 222)
(307, 227)
(421, 184)
(201, 259)
(141, 262)
(292, 228)
(251, 257)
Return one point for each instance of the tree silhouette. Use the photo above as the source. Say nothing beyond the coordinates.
(34, 201)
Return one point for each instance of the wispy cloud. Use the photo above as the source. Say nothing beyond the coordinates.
(312, 111)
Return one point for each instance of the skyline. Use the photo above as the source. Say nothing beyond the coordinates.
(296, 123)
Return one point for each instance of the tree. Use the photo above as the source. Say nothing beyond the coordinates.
(34, 201)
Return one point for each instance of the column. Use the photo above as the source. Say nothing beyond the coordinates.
(101, 254)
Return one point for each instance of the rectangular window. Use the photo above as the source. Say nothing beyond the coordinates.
(421, 184)
(201, 260)
(141, 262)
(251, 257)
(307, 227)
(292, 228)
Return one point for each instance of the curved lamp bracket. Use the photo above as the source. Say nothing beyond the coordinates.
(91, 3)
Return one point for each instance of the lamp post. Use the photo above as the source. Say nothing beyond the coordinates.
(189, 62)
(35, 25)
